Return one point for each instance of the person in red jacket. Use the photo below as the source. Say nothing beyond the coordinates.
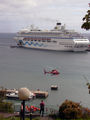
(42, 105)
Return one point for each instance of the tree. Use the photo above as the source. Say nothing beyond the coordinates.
(70, 110)
(5, 106)
(2, 94)
(86, 19)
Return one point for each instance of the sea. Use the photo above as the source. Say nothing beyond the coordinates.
(20, 67)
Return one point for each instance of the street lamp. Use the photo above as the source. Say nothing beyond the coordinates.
(23, 94)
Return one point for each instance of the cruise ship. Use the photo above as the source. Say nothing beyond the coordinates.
(59, 38)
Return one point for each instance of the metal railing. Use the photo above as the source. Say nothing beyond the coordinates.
(49, 109)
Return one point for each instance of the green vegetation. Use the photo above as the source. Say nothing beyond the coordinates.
(73, 119)
(17, 118)
(12, 118)
(70, 110)
(5, 106)
(86, 19)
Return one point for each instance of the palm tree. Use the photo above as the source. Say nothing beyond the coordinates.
(86, 19)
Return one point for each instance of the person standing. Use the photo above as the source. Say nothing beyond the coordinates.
(42, 105)
(21, 112)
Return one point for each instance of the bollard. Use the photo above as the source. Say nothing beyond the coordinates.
(23, 110)
(30, 116)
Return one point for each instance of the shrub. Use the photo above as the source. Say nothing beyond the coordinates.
(86, 112)
(70, 110)
(6, 107)
(12, 118)
(1, 117)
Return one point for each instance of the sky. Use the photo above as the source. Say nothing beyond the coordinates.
(18, 14)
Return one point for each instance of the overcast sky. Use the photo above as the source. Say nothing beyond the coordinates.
(17, 14)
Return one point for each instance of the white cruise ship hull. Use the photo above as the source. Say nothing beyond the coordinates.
(76, 45)
(59, 39)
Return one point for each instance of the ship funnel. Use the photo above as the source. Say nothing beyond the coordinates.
(58, 26)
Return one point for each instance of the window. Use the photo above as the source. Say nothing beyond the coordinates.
(43, 40)
(54, 41)
(48, 40)
(39, 40)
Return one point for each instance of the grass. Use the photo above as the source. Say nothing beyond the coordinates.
(17, 118)
(12, 118)
(73, 119)
(37, 118)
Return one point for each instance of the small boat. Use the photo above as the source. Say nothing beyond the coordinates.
(54, 87)
(41, 94)
(14, 96)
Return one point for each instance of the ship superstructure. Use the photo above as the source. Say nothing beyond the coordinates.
(59, 39)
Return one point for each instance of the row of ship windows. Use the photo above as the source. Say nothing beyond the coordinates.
(74, 46)
(68, 46)
(44, 37)
(80, 46)
(39, 40)
(65, 43)
(44, 33)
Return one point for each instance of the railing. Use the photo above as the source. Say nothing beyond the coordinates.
(49, 109)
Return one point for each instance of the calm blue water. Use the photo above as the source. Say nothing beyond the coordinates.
(21, 67)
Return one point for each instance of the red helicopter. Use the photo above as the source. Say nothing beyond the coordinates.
(53, 72)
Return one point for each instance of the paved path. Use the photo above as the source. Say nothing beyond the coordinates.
(45, 118)
(6, 115)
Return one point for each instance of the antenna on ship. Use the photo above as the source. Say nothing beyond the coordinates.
(32, 27)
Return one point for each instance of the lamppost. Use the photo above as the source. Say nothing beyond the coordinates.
(24, 95)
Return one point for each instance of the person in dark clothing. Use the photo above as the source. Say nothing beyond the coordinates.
(42, 104)
(21, 111)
